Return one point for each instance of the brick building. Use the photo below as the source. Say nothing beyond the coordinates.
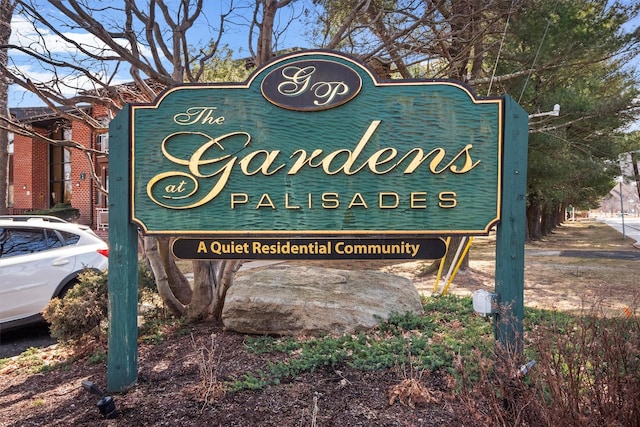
(43, 175)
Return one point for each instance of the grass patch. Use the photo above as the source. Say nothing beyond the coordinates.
(430, 341)
(154, 330)
(99, 356)
(32, 361)
(587, 369)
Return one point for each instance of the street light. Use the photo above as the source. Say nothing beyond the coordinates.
(555, 112)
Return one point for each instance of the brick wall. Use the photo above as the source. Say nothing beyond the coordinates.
(30, 173)
(81, 197)
(99, 111)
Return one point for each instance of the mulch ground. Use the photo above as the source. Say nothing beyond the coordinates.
(172, 390)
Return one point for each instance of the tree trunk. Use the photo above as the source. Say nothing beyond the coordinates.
(558, 216)
(6, 12)
(546, 223)
(461, 27)
(178, 283)
(223, 282)
(212, 280)
(534, 220)
(152, 252)
(265, 39)
(203, 289)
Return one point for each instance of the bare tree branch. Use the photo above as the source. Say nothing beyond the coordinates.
(23, 129)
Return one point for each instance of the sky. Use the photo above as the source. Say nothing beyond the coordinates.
(24, 34)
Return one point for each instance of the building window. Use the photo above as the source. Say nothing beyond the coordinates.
(10, 191)
(102, 201)
(60, 175)
(103, 142)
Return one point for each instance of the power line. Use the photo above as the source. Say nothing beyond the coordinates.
(538, 52)
(504, 36)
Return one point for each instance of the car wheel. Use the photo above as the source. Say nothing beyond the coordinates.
(67, 288)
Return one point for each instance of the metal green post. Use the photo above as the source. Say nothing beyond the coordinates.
(122, 360)
(510, 233)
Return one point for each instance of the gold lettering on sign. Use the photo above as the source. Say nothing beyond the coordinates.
(298, 81)
(198, 115)
(194, 163)
(208, 165)
(447, 199)
(330, 200)
(357, 200)
(265, 201)
(418, 200)
(239, 199)
(349, 201)
(382, 197)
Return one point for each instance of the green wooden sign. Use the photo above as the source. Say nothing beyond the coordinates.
(315, 144)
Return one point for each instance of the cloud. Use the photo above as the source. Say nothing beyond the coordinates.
(66, 80)
(44, 41)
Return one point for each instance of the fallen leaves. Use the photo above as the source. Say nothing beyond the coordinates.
(411, 392)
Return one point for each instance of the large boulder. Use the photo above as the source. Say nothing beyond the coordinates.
(304, 300)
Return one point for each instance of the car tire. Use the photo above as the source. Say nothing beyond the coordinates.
(67, 288)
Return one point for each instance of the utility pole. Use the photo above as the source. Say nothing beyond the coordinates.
(622, 210)
(635, 159)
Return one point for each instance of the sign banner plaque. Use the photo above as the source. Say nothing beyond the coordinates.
(314, 144)
(310, 249)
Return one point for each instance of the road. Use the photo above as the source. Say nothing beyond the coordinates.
(631, 227)
(14, 342)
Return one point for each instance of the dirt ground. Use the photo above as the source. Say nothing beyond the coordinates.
(604, 274)
(580, 266)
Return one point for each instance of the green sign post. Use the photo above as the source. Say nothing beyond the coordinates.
(510, 233)
(312, 153)
(122, 358)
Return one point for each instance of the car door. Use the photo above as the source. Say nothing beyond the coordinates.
(32, 264)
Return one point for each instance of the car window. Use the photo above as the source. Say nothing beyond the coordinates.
(2, 240)
(21, 241)
(69, 238)
(53, 241)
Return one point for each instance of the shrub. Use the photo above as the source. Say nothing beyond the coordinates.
(146, 280)
(590, 374)
(587, 374)
(425, 342)
(62, 210)
(81, 311)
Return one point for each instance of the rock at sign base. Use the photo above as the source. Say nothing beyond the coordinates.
(303, 300)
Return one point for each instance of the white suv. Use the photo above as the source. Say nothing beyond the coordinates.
(40, 258)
